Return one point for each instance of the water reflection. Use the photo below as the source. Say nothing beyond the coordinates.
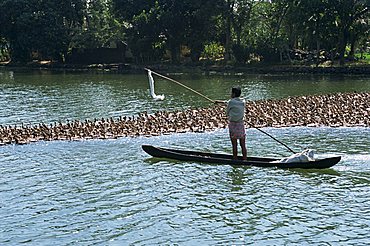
(238, 178)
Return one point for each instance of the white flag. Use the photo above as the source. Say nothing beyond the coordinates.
(151, 85)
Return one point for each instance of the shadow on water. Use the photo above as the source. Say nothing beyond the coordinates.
(314, 172)
(237, 168)
(155, 160)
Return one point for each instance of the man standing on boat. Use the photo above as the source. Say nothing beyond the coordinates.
(235, 111)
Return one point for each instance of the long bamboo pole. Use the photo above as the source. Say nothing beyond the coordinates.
(286, 146)
(213, 101)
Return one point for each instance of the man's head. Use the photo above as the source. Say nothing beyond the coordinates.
(236, 92)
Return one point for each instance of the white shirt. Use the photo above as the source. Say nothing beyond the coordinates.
(235, 109)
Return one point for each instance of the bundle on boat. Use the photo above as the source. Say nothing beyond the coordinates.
(305, 156)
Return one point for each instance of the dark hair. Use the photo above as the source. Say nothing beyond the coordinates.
(236, 91)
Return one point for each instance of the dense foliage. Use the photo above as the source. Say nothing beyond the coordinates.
(37, 26)
(237, 31)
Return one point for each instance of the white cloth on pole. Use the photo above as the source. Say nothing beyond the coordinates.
(151, 85)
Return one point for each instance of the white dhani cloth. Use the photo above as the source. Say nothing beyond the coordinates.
(305, 156)
(151, 85)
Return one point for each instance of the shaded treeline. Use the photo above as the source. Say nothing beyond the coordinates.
(237, 31)
(342, 109)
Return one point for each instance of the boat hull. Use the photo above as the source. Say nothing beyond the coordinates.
(185, 155)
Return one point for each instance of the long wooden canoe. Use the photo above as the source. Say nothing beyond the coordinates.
(186, 155)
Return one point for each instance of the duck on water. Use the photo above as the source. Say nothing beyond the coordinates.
(334, 110)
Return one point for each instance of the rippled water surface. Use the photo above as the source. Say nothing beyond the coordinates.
(111, 193)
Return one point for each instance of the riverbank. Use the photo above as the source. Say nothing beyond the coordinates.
(125, 68)
(333, 110)
(263, 69)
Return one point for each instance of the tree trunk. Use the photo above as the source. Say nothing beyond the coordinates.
(351, 55)
(342, 48)
(228, 38)
(175, 53)
(228, 12)
(317, 52)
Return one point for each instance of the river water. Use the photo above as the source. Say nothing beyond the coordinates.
(109, 192)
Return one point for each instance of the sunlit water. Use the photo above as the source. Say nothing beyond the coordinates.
(111, 193)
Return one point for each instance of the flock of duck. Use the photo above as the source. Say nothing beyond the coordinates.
(334, 110)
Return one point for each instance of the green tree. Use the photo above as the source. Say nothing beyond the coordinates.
(310, 26)
(189, 22)
(235, 21)
(144, 28)
(100, 27)
(330, 25)
(349, 16)
(242, 44)
(167, 24)
(37, 26)
(202, 26)
(269, 33)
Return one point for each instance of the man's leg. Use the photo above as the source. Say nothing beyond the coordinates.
(244, 148)
(234, 142)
